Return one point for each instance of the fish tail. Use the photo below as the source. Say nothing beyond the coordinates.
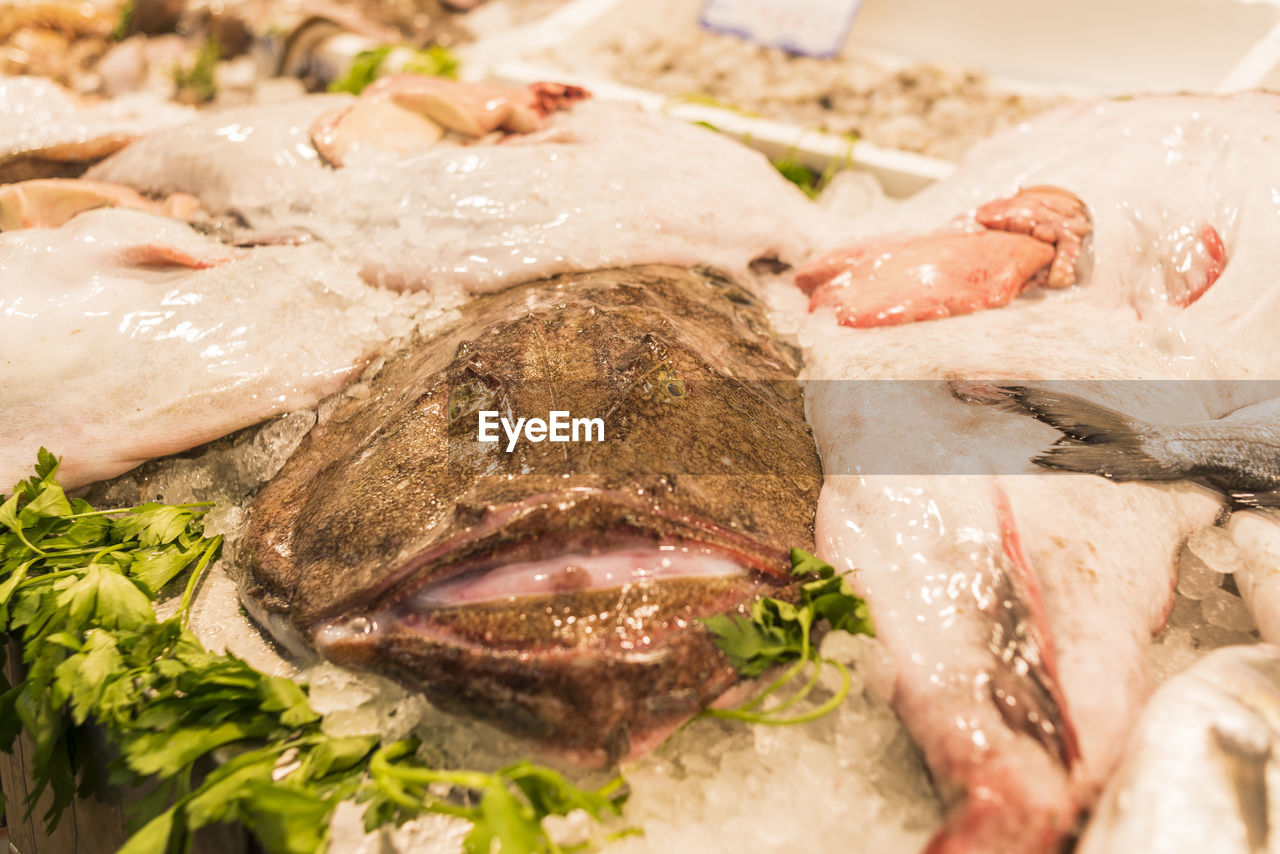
(1096, 439)
(997, 816)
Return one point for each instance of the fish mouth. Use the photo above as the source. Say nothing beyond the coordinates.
(565, 541)
(584, 638)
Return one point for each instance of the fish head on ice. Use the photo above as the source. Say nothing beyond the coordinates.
(551, 587)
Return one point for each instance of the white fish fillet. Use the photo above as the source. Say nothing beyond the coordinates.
(115, 347)
(605, 185)
(40, 118)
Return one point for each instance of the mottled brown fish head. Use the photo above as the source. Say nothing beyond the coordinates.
(552, 587)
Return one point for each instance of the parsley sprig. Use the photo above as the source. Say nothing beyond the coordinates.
(77, 590)
(367, 66)
(778, 633)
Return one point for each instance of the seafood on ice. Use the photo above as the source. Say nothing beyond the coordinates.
(552, 589)
(1019, 606)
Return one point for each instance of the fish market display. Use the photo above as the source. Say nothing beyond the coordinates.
(611, 186)
(1198, 774)
(1019, 608)
(48, 132)
(562, 378)
(550, 588)
(126, 335)
(53, 39)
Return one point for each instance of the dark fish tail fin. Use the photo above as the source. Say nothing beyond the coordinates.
(1096, 439)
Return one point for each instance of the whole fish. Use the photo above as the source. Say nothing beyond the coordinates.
(1238, 454)
(1199, 773)
(550, 588)
(1019, 609)
(146, 338)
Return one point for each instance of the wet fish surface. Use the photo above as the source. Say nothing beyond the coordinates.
(1022, 710)
(553, 590)
(146, 338)
(1199, 772)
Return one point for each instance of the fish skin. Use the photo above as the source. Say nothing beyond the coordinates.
(392, 496)
(1153, 174)
(461, 216)
(46, 131)
(1196, 774)
(1238, 454)
(147, 339)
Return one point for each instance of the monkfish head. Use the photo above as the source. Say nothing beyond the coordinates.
(553, 588)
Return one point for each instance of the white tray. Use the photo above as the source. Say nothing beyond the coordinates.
(1084, 48)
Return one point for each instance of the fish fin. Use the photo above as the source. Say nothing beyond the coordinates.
(1097, 439)
(1024, 686)
(1076, 417)
(1123, 459)
(999, 814)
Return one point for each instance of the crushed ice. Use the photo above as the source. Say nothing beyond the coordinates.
(715, 786)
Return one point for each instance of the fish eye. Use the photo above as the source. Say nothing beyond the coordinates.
(675, 388)
(458, 403)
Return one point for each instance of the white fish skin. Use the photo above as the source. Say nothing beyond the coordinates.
(40, 118)
(605, 185)
(927, 549)
(245, 160)
(1256, 566)
(109, 362)
(1199, 775)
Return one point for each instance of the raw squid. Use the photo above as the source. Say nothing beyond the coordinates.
(126, 335)
(1018, 606)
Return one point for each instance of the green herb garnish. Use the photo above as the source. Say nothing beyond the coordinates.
(77, 588)
(704, 99)
(363, 71)
(124, 23)
(436, 60)
(198, 84)
(799, 174)
(778, 632)
(810, 182)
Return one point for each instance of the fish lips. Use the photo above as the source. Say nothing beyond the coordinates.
(583, 520)
(596, 674)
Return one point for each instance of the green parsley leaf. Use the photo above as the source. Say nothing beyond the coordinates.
(779, 632)
(363, 71)
(77, 589)
(436, 61)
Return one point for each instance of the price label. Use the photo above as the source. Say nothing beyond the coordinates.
(812, 27)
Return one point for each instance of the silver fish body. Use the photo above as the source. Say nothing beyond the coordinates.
(1202, 771)
(1238, 454)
